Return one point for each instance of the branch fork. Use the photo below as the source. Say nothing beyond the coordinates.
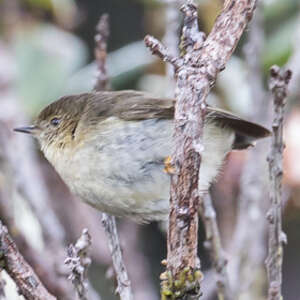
(195, 73)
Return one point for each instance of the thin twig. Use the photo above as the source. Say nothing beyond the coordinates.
(195, 74)
(102, 80)
(18, 269)
(78, 261)
(171, 37)
(124, 285)
(109, 222)
(214, 246)
(278, 85)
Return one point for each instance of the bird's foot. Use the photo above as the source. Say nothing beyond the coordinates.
(169, 167)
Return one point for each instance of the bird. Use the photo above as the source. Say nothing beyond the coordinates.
(110, 147)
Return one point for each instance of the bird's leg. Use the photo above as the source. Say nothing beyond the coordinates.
(169, 167)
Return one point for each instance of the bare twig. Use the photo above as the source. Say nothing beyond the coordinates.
(102, 81)
(171, 37)
(196, 72)
(109, 222)
(78, 261)
(27, 281)
(278, 85)
(213, 244)
(124, 285)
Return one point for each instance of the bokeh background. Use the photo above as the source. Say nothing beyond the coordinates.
(47, 51)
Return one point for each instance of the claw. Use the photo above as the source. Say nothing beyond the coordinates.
(169, 168)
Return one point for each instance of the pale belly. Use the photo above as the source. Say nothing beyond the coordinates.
(121, 172)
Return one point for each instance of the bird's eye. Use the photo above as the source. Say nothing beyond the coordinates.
(55, 121)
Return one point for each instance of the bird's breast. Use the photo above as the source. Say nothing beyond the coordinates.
(119, 167)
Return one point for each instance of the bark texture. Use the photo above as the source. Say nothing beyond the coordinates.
(195, 71)
(278, 85)
(19, 270)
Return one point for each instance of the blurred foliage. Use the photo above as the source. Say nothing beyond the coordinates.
(51, 61)
(51, 43)
(277, 10)
(43, 68)
(45, 4)
(279, 45)
(281, 19)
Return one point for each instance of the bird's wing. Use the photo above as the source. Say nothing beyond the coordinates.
(129, 105)
(135, 105)
(237, 124)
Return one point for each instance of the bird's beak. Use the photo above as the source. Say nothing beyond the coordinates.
(27, 129)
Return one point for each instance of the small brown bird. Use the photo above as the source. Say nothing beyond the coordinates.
(110, 147)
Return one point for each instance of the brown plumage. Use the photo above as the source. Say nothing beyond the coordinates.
(134, 105)
(110, 147)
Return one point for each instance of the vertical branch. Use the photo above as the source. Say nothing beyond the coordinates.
(195, 74)
(109, 222)
(124, 285)
(102, 34)
(78, 261)
(171, 37)
(214, 246)
(278, 85)
(207, 211)
(190, 113)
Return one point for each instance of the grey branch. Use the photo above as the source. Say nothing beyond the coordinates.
(18, 269)
(157, 48)
(195, 73)
(278, 85)
(78, 261)
(124, 285)
(214, 246)
(171, 37)
(109, 222)
(102, 81)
